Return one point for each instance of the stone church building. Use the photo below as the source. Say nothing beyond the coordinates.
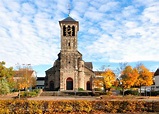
(69, 71)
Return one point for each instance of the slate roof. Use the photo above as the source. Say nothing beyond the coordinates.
(157, 72)
(68, 19)
(88, 65)
(40, 78)
(23, 72)
(98, 72)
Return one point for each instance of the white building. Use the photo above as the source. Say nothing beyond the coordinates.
(154, 87)
(156, 75)
(40, 82)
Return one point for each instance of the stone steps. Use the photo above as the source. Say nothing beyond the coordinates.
(49, 93)
(66, 93)
(52, 93)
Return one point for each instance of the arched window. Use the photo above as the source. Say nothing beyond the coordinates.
(69, 44)
(73, 30)
(88, 85)
(64, 30)
(69, 84)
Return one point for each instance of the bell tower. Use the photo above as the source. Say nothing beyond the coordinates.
(69, 55)
(69, 29)
(69, 71)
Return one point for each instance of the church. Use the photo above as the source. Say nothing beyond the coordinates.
(69, 71)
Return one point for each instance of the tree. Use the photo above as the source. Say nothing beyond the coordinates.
(121, 67)
(98, 83)
(6, 78)
(145, 77)
(108, 79)
(128, 77)
(25, 79)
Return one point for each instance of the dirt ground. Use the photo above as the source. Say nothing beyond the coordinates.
(111, 98)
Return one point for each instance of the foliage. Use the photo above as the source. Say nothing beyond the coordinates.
(97, 89)
(131, 92)
(109, 78)
(6, 78)
(98, 83)
(121, 67)
(128, 77)
(4, 86)
(24, 79)
(116, 83)
(37, 90)
(145, 77)
(27, 94)
(80, 89)
(76, 106)
(155, 93)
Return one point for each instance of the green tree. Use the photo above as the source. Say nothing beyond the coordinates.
(4, 86)
(6, 78)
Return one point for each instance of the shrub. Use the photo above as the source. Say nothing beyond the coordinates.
(97, 89)
(26, 94)
(36, 90)
(82, 93)
(77, 106)
(131, 92)
(154, 93)
(109, 93)
(80, 89)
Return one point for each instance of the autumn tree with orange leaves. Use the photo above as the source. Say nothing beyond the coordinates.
(98, 83)
(108, 79)
(145, 77)
(25, 78)
(128, 77)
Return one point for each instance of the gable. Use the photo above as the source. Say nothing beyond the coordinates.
(157, 72)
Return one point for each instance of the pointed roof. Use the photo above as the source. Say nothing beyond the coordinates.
(157, 72)
(23, 72)
(88, 65)
(68, 19)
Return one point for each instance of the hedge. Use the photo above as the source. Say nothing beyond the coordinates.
(75, 106)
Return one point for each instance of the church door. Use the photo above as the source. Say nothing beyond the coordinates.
(88, 85)
(69, 84)
(51, 85)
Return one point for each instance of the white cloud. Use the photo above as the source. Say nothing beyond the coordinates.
(109, 6)
(110, 31)
(151, 14)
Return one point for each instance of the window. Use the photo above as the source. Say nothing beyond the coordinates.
(69, 44)
(73, 30)
(88, 85)
(64, 30)
(69, 84)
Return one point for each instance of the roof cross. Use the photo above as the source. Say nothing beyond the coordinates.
(69, 9)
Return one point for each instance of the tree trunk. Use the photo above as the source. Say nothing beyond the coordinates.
(123, 91)
(140, 90)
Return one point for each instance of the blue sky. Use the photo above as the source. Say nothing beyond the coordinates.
(110, 32)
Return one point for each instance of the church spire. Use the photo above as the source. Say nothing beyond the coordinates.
(69, 9)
